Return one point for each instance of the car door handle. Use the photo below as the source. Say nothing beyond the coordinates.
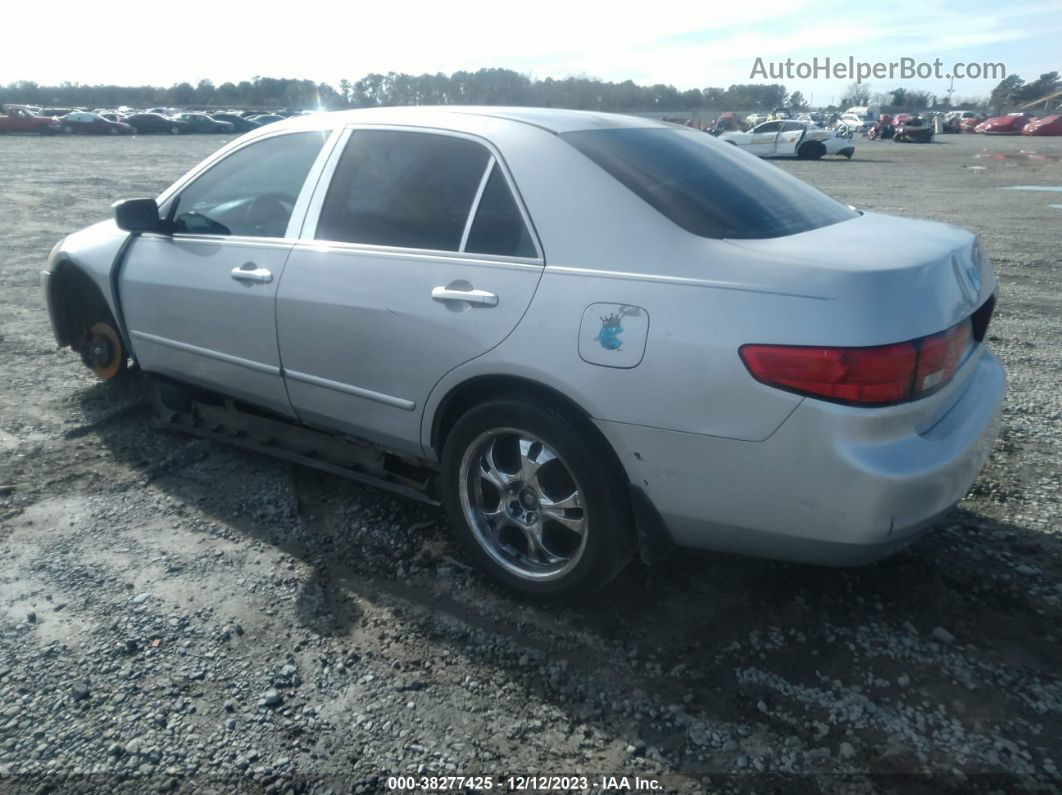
(249, 273)
(474, 297)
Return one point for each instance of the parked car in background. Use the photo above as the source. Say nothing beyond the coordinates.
(1047, 125)
(85, 123)
(429, 281)
(19, 118)
(854, 123)
(791, 138)
(239, 123)
(266, 118)
(953, 121)
(202, 123)
(112, 115)
(55, 112)
(969, 123)
(1011, 124)
(912, 130)
(148, 123)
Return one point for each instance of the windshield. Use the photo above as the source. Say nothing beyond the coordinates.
(708, 187)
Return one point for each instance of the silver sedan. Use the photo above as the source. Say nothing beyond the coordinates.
(589, 336)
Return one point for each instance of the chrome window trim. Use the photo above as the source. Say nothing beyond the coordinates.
(324, 182)
(298, 212)
(309, 228)
(475, 203)
(248, 241)
(422, 254)
(350, 389)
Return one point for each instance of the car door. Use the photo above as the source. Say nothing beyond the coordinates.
(789, 137)
(763, 138)
(199, 304)
(417, 256)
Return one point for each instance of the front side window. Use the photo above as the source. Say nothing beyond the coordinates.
(251, 192)
(405, 189)
(769, 127)
(706, 186)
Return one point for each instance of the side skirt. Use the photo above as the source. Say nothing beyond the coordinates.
(193, 411)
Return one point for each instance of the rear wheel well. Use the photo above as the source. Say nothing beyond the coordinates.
(480, 390)
(76, 303)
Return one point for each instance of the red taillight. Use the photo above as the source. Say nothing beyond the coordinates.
(939, 357)
(864, 376)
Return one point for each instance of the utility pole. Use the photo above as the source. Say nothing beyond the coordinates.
(951, 88)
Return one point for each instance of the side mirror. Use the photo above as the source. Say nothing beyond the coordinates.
(137, 215)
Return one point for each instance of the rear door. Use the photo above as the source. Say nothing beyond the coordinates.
(416, 257)
(200, 303)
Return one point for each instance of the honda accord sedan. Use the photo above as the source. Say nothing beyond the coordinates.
(589, 336)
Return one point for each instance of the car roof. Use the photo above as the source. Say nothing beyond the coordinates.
(554, 120)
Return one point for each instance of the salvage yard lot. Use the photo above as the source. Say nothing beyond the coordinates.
(177, 614)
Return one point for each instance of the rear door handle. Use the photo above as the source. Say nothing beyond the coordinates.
(249, 272)
(474, 297)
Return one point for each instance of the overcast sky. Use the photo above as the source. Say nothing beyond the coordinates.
(687, 44)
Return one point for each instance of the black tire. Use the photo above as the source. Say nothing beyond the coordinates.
(609, 539)
(812, 150)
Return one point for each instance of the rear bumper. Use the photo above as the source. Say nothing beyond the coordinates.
(833, 486)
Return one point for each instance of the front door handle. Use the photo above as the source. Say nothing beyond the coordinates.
(474, 297)
(249, 272)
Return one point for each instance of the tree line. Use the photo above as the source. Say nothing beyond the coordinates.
(1011, 92)
(483, 87)
(492, 87)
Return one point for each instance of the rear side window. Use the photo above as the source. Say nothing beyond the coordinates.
(706, 186)
(498, 227)
(250, 192)
(407, 189)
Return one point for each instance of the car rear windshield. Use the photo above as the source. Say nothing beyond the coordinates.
(706, 186)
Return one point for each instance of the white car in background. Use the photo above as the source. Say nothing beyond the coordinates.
(791, 138)
(854, 123)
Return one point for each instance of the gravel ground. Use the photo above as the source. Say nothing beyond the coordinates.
(177, 615)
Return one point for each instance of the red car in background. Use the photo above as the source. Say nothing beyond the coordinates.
(18, 118)
(969, 124)
(1048, 125)
(1011, 124)
(93, 124)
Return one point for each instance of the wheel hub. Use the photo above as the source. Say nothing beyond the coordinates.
(99, 352)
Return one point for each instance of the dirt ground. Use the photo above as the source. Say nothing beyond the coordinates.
(180, 616)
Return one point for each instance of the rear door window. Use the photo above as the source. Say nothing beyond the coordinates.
(403, 189)
(706, 186)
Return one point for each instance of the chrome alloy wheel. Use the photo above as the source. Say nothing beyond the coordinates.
(523, 504)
